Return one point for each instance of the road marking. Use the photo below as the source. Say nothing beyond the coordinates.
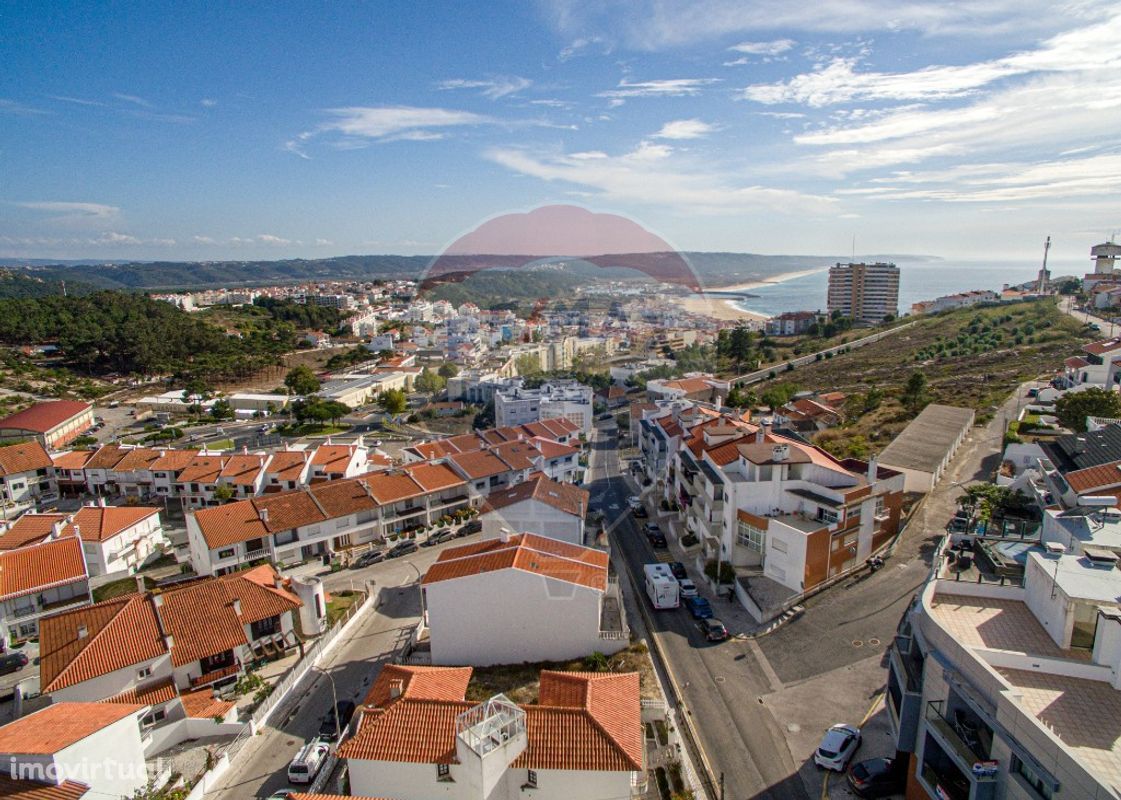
(825, 785)
(872, 708)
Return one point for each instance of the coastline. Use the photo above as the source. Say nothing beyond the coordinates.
(724, 309)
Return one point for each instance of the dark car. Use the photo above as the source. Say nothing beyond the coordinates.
(474, 526)
(438, 537)
(699, 607)
(678, 570)
(342, 712)
(368, 558)
(640, 512)
(12, 662)
(658, 541)
(876, 777)
(651, 527)
(713, 629)
(402, 549)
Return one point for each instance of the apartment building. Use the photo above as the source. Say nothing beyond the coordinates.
(790, 323)
(293, 526)
(560, 587)
(568, 399)
(27, 475)
(1099, 364)
(419, 738)
(864, 292)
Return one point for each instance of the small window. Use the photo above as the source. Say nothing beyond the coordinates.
(151, 719)
(443, 772)
(531, 779)
(1029, 776)
(227, 553)
(143, 673)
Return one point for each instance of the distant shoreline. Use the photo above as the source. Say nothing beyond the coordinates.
(725, 309)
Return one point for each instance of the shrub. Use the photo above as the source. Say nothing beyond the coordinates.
(727, 572)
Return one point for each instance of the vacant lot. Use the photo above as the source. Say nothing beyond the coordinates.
(972, 357)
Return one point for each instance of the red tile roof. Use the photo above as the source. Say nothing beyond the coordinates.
(562, 496)
(30, 529)
(243, 470)
(1094, 348)
(526, 552)
(38, 567)
(480, 464)
(202, 469)
(72, 459)
(390, 487)
(15, 789)
(59, 726)
(585, 721)
(106, 457)
(1100, 477)
(228, 524)
(23, 457)
(553, 449)
(419, 683)
(288, 465)
(97, 523)
(138, 458)
(202, 704)
(434, 477)
(173, 460)
(333, 458)
(43, 417)
(155, 693)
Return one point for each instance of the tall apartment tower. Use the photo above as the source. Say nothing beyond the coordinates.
(867, 292)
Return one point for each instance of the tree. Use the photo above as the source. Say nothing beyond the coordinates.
(223, 492)
(447, 370)
(429, 382)
(301, 380)
(335, 410)
(527, 364)
(393, 401)
(915, 394)
(221, 410)
(779, 394)
(1073, 407)
(736, 398)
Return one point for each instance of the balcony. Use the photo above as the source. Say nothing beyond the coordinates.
(216, 675)
(963, 737)
(253, 555)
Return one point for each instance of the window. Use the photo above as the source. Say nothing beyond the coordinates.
(151, 719)
(443, 772)
(751, 537)
(227, 553)
(531, 779)
(827, 516)
(285, 537)
(143, 673)
(1029, 776)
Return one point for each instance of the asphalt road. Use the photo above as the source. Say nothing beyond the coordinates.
(720, 685)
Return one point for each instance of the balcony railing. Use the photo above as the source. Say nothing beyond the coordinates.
(253, 555)
(962, 739)
(216, 675)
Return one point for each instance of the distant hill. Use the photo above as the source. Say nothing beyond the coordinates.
(713, 269)
(18, 285)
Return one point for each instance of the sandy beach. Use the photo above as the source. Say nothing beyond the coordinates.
(724, 309)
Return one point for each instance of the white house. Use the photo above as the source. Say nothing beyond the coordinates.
(27, 475)
(38, 579)
(74, 750)
(418, 738)
(540, 506)
(568, 399)
(549, 585)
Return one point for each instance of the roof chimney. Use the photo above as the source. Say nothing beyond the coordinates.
(396, 688)
(169, 641)
(140, 587)
(872, 468)
(78, 531)
(101, 501)
(237, 606)
(83, 631)
(761, 434)
(263, 515)
(504, 535)
(56, 529)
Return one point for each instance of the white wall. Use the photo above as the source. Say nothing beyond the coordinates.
(113, 683)
(1053, 613)
(110, 762)
(511, 616)
(789, 567)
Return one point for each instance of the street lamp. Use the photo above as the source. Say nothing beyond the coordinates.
(334, 702)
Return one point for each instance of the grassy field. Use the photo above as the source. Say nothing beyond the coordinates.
(520, 682)
(339, 603)
(972, 357)
(119, 588)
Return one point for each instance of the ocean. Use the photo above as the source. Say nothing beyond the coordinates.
(917, 281)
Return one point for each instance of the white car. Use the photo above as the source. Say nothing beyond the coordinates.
(837, 747)
(687, 588)
(633, 502)
(307, 763)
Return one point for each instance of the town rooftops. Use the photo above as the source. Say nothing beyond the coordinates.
(561, 496)
(1081, 450)
(526, 552)
(59, 726)
(1085, 480)
(23, 457)
(1095, 348)
(71, 459)
(31, 529)
(583, 721)
(44, 417)
(38, 567)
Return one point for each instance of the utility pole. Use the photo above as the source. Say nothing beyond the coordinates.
(721, 786)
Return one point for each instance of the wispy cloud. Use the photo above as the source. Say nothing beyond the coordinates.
(493, 88)
(208, 102)
(79, 101)
(132, 98)
(685, 129)
(74, 210)
(19, 109)
(674, 87)
(387, 123)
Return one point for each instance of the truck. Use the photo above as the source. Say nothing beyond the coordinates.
(661, 587)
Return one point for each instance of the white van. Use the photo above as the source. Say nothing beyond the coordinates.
(307, 763)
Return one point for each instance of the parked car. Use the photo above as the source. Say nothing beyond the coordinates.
(605, 417)
(12, 662)
(402, 548)
(640, 512)
(1033, 392)
(341, 712)
(283, 794)
(837, 747)
(651, 527)
(438, 537)
(713, 629)
(678, 570)
(876, 777)
(687, 587)
(263, 429)
(368, 558)
(634, 502)
(658, 541)
(699, 607)
(308, 761)
(474, 526)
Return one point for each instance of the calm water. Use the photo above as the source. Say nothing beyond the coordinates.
(917, 281)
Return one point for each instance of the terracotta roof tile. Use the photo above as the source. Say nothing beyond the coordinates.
(288, 510)
(42, 417)
(1084, 480)
(155, 693)
(288, 465)
(23, 457)
(562, 496)
(60, 725)
(202, 704)
(41, 566)
(243, 470)
(434, 477)
(333, 458)
(390, 487)
(173, 460)
(15, 789)
(31, 528)
(72, 459)
(106, 457)
(419, 683)
(480, 464)
(202, 469)
(137, 458)
(97, 523)
(527, 552)
(342, 498)
(228, 524)
(553, 449)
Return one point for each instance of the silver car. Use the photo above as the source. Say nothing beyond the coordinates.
(687, 587)
(837, 747)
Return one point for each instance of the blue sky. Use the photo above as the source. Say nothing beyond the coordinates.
(279, 130)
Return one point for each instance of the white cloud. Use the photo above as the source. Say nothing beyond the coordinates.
(80, 101)
(361, 125)
(268, 238)
(136, 100)
(492, 88)
(73, 210)
(112, 237)
(654, 175)
(323, 242)
(675, 87)
(207, 240)
(663, 24)
(208, 102)
(685, 129)
(19, 109)
(772, 48)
